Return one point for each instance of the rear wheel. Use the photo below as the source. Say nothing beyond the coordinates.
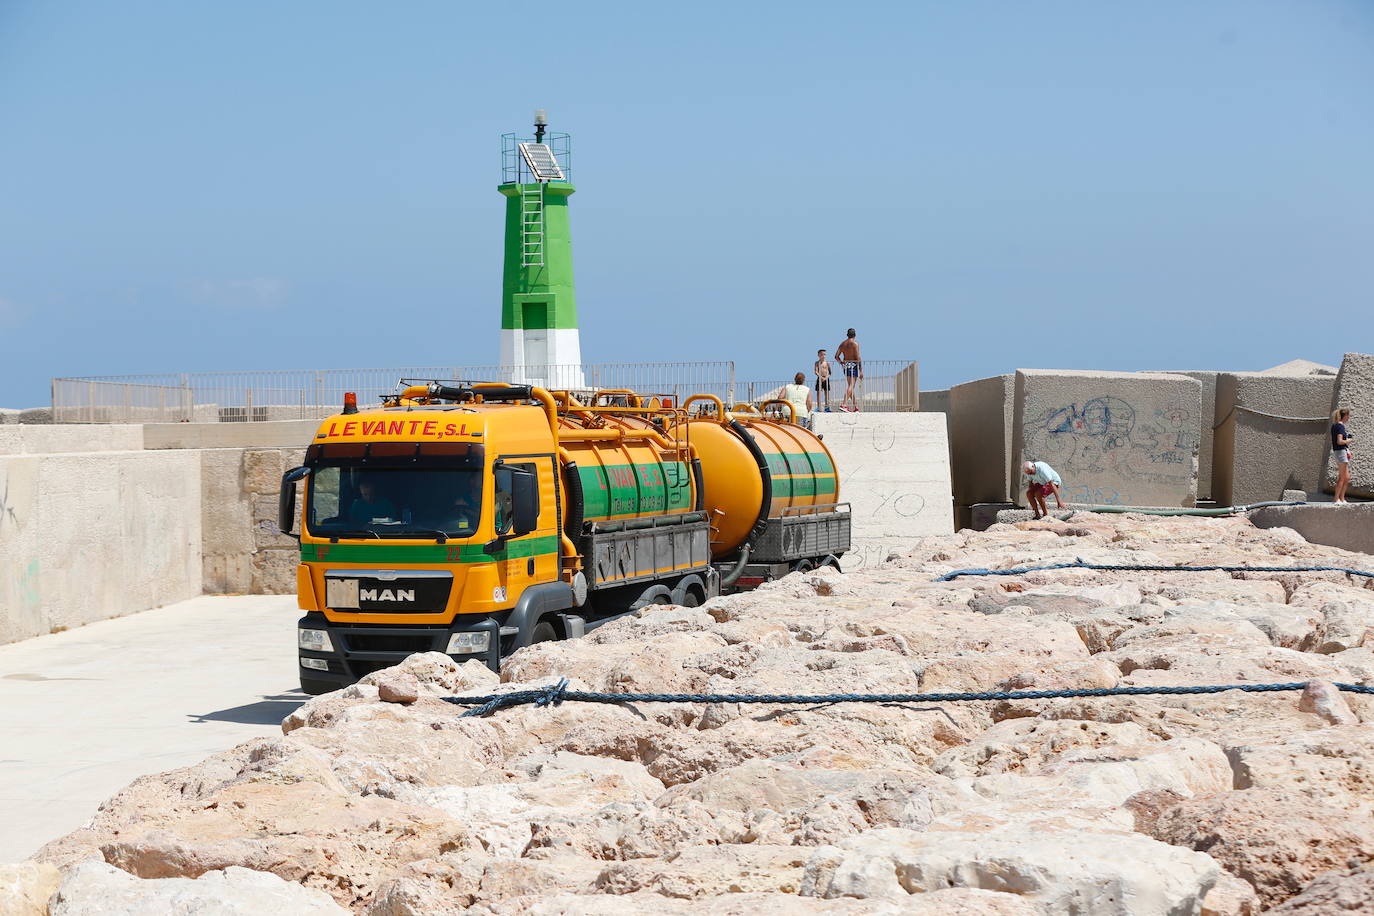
(691, 598)
(803, 566)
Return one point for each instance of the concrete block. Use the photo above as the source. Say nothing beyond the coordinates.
(981, 415)
(936, 401)
(894, 471)
(1300, 367)
(1349, 526)
(274, 571)
(266, 532)
(1257, 454)
(262, 470)
(1012, 516)
(274, 434)
(86, 537)
(41, 415)
(1208, 381)
(32, 439)
(906, 388)
(982, 516)
(226, 509)
(228, 575)
(1116, 438)
(1355, 391)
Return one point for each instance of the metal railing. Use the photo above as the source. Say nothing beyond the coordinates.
(298, 394)
(887, 386)
(294, 394)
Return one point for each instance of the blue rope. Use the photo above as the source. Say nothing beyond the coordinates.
(1079, 564)
(557, 694)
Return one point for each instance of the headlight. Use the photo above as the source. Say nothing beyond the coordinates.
(314, 640)
(315, 664)
(468, 643)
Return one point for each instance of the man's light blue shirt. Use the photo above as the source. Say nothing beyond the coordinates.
(1045, 474)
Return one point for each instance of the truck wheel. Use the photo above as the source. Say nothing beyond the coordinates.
(803, 566)
(314, 688)
(690, 598)
(543, 632)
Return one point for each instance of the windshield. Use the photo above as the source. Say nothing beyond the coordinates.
(351, 501)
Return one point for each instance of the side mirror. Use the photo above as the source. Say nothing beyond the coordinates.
(524, 501)
(286, 499)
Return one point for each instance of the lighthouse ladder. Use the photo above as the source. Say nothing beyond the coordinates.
(532, 225)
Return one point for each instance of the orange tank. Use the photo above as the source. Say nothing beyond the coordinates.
(731, 446)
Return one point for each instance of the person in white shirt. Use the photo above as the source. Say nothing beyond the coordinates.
(799, 396)
(1043, 479)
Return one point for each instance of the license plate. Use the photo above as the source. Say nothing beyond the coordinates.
(341, 593)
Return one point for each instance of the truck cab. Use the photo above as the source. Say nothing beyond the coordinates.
(434, 528)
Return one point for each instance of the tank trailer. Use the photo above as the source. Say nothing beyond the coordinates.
(475, 519)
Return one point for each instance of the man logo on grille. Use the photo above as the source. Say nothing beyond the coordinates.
(386, 594)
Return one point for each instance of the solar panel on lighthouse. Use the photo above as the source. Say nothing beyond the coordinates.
(543, 166)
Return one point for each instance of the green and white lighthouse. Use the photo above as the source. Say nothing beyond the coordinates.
(539, 340)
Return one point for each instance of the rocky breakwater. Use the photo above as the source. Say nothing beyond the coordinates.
(380, 800)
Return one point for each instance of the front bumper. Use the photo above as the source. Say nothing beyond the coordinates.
(359, 648)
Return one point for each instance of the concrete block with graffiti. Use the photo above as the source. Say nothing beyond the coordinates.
(1116, 438)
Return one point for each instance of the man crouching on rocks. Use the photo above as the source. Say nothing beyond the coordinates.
(1043, 479)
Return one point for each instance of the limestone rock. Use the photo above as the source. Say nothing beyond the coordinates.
(1336, 892)
(398, 687)
(1344, 625)
(1322, 698)
(1277, 841)
(94, 887)
(1147, 803)
(1231, 896)
(25, 888)
(1061, 872)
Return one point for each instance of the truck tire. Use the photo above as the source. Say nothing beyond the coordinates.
(543, 632)
(689, 592)
(314, 688)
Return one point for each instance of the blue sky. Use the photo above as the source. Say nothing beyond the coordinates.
(976, 185)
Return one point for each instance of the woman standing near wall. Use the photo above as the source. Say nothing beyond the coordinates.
(1340, 450)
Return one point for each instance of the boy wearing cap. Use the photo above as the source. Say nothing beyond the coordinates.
(1042, 479)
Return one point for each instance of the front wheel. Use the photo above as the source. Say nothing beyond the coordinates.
(314, 688)
(543, 632)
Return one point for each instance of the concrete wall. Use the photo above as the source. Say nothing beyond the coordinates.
(894, 470)
(980, 431)
(44, 440)
(1208, 381)
(1349, 527)
(272, 434)
(906, 388)
(243, 549)
(1355, 390)
(1255, 457)
(1116, 438)
(936, 401)
(84, 537)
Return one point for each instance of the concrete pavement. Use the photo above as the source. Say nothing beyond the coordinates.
(84, 712)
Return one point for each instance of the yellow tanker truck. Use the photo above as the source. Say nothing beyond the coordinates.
(474, 519)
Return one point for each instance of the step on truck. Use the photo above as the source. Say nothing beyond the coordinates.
(477, 518)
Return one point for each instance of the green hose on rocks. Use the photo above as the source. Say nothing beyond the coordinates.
(1206, 513)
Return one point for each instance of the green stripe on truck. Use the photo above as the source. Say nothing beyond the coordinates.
(427, 553)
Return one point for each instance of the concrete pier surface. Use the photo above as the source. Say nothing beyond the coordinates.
(84, 712)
